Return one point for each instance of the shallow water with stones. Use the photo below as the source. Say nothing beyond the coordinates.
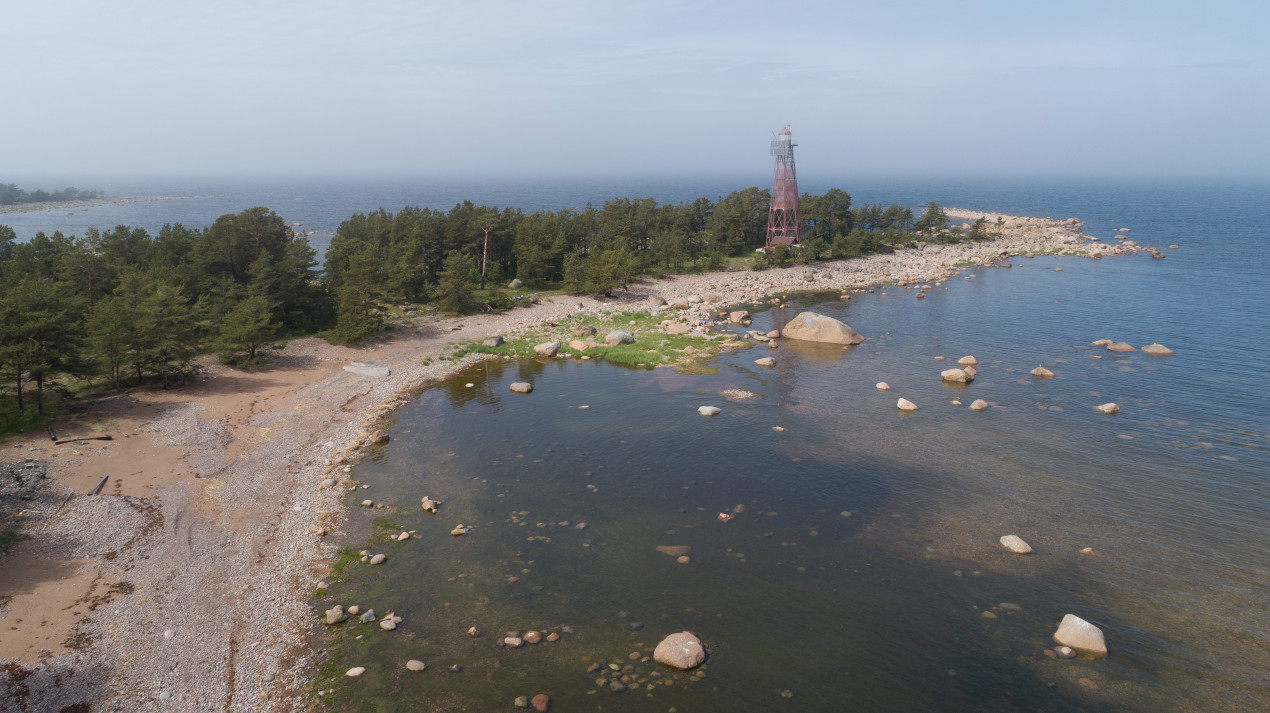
(863, 571)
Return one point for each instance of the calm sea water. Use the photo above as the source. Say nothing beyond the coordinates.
(864, 572)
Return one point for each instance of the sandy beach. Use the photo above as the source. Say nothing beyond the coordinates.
(185, 585)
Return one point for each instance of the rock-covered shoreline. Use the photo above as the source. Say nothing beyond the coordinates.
(257, 515)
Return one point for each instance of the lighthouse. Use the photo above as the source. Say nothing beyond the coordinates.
(782, 216)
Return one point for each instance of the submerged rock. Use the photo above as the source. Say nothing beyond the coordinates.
(978, 405)
(813, 327)
(766, 361)
(1081, 636)
(1157, 349)
(682, 651)
(1120, 347)
(522, 387)
(1108, 408)
(1015, 544)
(883, 386)
(1041, 372)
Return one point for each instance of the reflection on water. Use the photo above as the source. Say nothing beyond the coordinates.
(862, 571)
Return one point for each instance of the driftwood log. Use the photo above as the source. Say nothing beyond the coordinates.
(90, 438)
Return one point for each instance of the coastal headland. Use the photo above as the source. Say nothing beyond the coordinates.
(185, 585)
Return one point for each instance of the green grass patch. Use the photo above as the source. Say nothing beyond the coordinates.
(8, 537)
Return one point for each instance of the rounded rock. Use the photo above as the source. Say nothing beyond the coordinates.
(1015, 544)
(883, 386)
(355, 671)
(905, 405)
(978, 405)
(1108, 408)
(1041, 372)
(968, 361)
(709, 410)
(682, 651)
(378, 559)
(416, 665)
(522, 387)
(1157, 349)
(541, 702)
(766, 361)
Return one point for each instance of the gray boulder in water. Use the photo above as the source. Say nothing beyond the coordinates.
(814, 327)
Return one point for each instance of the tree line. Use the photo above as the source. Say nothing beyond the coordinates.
(10, 194)
(122, 307)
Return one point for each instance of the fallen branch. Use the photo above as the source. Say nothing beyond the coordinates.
(90, 438)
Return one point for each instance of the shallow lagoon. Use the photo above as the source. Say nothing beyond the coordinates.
(864, 572)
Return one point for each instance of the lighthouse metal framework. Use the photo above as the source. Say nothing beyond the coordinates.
(782, 216)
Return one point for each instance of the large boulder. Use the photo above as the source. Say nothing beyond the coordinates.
(547, 349)
(682, 651)
(1081, 635)
(494, 341)
(813, 327)
(522, 387)
(618, 336)
(957, 376)
(740, 316)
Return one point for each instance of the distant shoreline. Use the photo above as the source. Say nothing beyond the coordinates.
(58, 205)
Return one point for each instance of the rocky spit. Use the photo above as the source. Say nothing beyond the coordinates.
(216, 614)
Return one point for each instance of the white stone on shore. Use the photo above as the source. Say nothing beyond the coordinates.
(355, 671)
(372, 371)
(1015, 544)
(709, 410)
(522, 387)
(1081, 636)
(905, 405)
(1109, 408)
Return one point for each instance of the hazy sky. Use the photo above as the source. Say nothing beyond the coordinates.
(583, 87)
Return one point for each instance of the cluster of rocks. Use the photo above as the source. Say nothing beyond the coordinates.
(677, 654)
(515, 639)
(338, 615)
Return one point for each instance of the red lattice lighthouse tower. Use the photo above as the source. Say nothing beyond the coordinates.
(782, 216)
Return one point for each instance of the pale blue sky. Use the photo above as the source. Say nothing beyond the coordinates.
(572, 87)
